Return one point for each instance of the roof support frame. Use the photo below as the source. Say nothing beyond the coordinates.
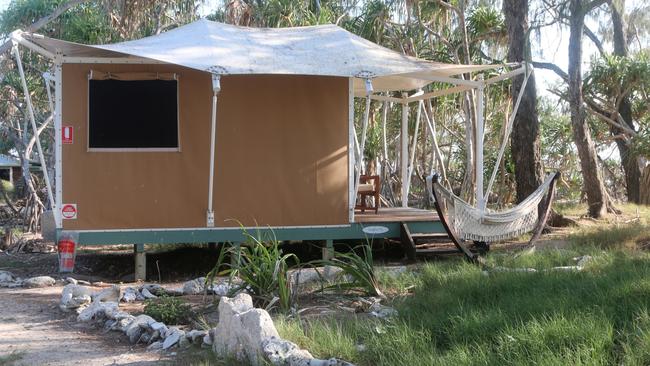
(216, 88)
(32, 119)
(17, 37)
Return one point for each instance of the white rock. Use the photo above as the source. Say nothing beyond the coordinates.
(242, 329)
(40, 281)
(110, 294)
(174, 291)
(282, 352)
(155, 289)
(173, 338)
(155, 346)
(196, 336)
(314, 275)
(566, 268)
(158, 326)
(582, 261)
(146, 294)
(71, 281)
(97, 310)
(75, 296)
(207, 340)
(139, 325)
(6, 276)
(124, 323)
(183, 342)
(380, 311)
(506, 269)
(221, 289)
(129, 295)
(194, 287)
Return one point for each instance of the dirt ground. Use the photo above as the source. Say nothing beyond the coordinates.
(38, 333)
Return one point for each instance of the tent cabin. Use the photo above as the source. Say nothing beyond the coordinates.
(184, 136)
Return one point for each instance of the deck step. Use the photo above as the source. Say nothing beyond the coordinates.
(430, 236)
(438, 251)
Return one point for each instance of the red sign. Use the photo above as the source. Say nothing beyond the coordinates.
(66, 134)
(69, 211)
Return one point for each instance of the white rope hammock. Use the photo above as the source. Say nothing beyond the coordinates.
(471, 223)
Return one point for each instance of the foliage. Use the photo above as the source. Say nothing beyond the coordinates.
(456, 315)
(359, 269)
(262, 269)
(168, 309)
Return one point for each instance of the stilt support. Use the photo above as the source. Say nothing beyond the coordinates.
(140, 262)
(328, 249)
(234, 259)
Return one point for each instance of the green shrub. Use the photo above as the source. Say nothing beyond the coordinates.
(169, 310)
(262, 269)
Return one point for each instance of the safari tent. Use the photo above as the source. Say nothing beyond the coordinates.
(184, 136)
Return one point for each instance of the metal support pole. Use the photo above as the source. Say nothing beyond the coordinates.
(58, 146)
(364, 131)
(506, 135)
(480, 130)
(405, 151)
(216, 88)
(32, 119)
(351, 151)
(414, 145)
(384, 117)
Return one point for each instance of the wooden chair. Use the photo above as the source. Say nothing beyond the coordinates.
(369, 186)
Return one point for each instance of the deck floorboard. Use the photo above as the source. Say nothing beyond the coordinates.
(396, 214)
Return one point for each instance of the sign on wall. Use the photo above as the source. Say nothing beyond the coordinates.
(69, 211)
(66, 133)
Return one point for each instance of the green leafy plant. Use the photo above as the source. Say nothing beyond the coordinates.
(169, 310)
(262, 268)
(358, 269)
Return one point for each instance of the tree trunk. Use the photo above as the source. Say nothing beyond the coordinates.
(644, 198)
(525, 140)
(592, 178)
(629, 159)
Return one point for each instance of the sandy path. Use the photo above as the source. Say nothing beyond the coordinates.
(32, 324)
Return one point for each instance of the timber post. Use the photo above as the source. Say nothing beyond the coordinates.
(328, 249)
(140, 262)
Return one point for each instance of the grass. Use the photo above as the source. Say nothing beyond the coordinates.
(453, 313)
(457, 315)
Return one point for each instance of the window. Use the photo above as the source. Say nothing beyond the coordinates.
(133, 114)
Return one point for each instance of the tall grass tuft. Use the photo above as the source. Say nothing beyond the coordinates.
(358, 269)
(261, 268)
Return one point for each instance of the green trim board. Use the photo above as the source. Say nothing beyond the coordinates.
(235, 235)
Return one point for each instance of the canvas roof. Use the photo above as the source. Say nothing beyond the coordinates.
(326, 50)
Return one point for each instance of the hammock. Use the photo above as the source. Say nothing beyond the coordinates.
(464, 222)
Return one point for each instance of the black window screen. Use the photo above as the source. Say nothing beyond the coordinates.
(132, 114)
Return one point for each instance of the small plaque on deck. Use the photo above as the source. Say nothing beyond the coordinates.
(374, 230)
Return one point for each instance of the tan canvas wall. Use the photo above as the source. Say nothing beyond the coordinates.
(281, 156)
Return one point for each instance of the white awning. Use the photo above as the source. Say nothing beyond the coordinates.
(224, 49)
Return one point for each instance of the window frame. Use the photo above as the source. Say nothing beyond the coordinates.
(135, 149)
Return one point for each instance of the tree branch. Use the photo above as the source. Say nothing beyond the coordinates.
(553, 67)
(595, 40)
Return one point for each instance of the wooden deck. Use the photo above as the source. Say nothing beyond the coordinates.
(396, 214)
